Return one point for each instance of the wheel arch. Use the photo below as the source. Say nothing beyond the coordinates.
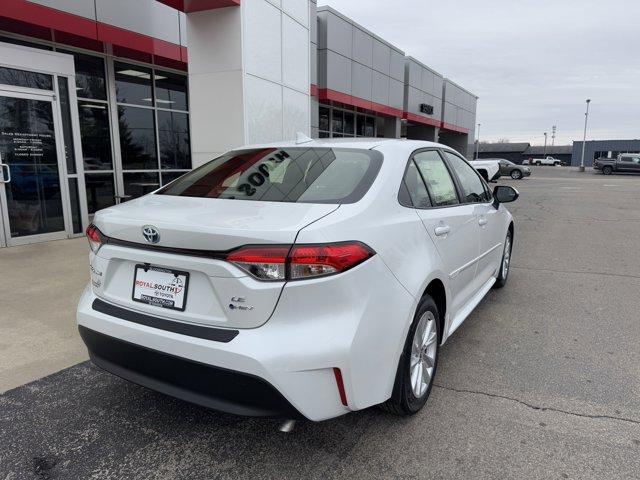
(438, 292)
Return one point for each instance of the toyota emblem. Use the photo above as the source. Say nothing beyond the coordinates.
(151, 234)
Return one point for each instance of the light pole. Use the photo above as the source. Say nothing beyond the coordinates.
(478, 143)
(553, 135)
(584, 138)
(544, 153)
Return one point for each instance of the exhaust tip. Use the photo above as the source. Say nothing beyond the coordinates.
(287, 426)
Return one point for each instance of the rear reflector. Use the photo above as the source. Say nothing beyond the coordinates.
(298, 262)
(340, 383)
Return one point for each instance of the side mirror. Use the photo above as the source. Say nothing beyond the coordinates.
(504, 194)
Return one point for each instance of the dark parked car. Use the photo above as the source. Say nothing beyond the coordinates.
(510, 169)
(625, 162)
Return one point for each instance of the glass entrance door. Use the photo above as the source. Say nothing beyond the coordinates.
(31, 194)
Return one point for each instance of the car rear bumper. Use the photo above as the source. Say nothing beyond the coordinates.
(288, 364)
(526, 174)
(217, 388)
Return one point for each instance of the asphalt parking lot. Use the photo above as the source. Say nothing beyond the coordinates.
(541, 381)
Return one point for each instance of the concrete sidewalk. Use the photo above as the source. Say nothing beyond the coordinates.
(41, 286)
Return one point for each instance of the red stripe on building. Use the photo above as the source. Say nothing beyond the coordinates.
(454, 128)
(412, 117)
(139, 42)
(26, 18)
(41, 16)
(333, 95)
(189, 6)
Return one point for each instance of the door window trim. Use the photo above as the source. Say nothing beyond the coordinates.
(403, 185)
(457, 181)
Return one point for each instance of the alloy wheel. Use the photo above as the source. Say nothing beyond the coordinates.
(423, 354)
(506, 258)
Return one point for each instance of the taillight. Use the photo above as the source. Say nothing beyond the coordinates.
(264, 263)
(319, 260)
(283, 262)
(95, 237)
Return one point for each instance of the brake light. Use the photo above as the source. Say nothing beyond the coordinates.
(298, 262)
(319, 260)
(264, 263)
(95, 237)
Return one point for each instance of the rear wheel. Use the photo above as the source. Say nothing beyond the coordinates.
(516, 174)
(418, 362)
(503, 273)
(607, 170)
(538, 163)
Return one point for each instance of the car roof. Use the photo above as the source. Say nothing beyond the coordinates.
(360, 142)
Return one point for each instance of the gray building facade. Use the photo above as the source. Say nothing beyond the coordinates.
(369, 87)
(602, 148)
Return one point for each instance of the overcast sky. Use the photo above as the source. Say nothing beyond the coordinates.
(532, 63)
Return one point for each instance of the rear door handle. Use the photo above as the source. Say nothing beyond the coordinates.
(482, 221)
(6, 179)
(442, 230)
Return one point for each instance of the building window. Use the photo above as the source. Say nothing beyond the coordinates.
(338, 122)
(137, 138)
(133, 84)
(95, 133)
(173, 135)
(153, 122)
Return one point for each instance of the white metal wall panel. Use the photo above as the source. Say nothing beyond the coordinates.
(361, 81)
(147, 17)
(396, 65)
(295, 51)
(339, 35)
(82, 8)
(338, 72)
(362, 47)
(182, 19)
(380, 89)
(298, 10)
(313, 62)
(295, 113)
(263, 111)
(313, 22)
(262, 39)
(381, 57)
(396, 94)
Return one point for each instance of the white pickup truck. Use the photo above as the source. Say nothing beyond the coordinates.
(489, 169)
(543, 161)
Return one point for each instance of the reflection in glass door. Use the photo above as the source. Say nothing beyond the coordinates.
(30, 192)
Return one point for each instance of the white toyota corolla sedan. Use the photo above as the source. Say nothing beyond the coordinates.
(294, 280)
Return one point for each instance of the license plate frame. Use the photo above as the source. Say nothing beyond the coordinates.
(158, 301)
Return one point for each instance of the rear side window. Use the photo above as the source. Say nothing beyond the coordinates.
(473, 190)
(413, 192)
(299, 175)
(436, 175)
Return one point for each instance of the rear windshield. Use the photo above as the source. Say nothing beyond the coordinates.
(304, 175)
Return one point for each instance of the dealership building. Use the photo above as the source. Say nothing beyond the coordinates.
(102, 101)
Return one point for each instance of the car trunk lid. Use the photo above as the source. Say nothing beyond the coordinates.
(218, 293)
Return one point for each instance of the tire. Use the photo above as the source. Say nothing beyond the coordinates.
(484, 175)
(538, 164)
(516, 174)
(503, 273)
(607, 169)
(409, 396)
(556, 164)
